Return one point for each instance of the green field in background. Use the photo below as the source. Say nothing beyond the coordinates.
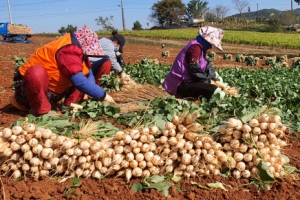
(286, 40)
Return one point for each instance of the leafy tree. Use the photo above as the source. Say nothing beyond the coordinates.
(167, 12)
(196, 8)
(287, 18)
(67, 29)
(106, 23)
(210, 16)
(297, 1)
(221, 11)
(137, 25)
(240, 5)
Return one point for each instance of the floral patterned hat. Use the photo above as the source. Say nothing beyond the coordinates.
(89, 42)
(212, 35)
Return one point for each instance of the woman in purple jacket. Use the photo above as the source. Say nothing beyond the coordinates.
(191, 73)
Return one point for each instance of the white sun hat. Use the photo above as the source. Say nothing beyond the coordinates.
(212, 35)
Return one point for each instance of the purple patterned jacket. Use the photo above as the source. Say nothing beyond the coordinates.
(179, 73)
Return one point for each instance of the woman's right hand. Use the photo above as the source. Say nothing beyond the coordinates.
(218, 84)
(126, 79)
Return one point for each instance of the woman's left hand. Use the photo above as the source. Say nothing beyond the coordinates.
(86, 97)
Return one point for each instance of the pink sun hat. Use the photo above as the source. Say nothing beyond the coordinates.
(89, 42)
(212, 35)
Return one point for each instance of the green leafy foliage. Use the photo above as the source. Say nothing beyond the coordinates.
(74, 184)
(69, 29)
(137, 25)
(280, 59)
(264, 173)
(265, 178)
(165, 53)
(154, 182)
(17, 63)
(227, 56)
(271, 62)
(160, 110)
(95, 109)
(285, 40)
(296, 62)
(210, 56)
(62, 126)
(110, 83)
(58, 125)
(260, 87)
(147, 72)
(250, 61)
(239, 58)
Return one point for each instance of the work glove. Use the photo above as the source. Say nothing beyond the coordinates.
(109, 99)
(218, 84)
(126, 79)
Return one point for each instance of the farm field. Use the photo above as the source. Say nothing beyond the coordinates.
(118, 188)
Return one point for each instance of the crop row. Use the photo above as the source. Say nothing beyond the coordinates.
(286, 40)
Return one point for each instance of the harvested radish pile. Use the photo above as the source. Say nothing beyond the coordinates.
(19, 29)
(252, 145)
(247, 150)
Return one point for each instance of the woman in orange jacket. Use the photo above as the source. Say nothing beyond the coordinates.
(55, 70)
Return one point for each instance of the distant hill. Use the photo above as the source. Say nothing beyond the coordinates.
(263, 14)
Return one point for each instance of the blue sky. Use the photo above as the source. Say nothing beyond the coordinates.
(50, 15)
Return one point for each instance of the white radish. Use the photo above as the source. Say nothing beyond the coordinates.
(253, 123)
(16, 130)
(47, 153)
(6, 132)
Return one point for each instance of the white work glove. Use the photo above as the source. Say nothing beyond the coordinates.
(123, 74)
(118, 53)
(126, 79)
(218, 84)
(109, 99)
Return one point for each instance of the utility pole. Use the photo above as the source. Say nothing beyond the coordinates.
(257, 11)
(8, 5)
(123, 16)
(291, 5)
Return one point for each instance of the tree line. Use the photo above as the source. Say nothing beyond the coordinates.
(167, 13)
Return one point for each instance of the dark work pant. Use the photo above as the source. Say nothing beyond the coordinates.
(120, 60)
(196, 90)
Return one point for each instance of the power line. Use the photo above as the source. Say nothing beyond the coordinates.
(62, 14)
(30, 4)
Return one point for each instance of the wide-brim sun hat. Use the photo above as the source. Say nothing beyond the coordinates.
(89, 42)
(212, 35)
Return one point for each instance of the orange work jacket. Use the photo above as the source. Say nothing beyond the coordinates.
(45, 56)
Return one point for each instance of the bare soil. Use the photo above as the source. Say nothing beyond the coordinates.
(117, 188)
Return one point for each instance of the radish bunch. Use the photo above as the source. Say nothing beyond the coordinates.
(242, 143)
(33, 151)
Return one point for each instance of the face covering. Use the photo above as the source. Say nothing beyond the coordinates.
(205, 45)
(116, 49)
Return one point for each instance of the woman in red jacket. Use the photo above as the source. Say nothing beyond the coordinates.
(55, 70)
